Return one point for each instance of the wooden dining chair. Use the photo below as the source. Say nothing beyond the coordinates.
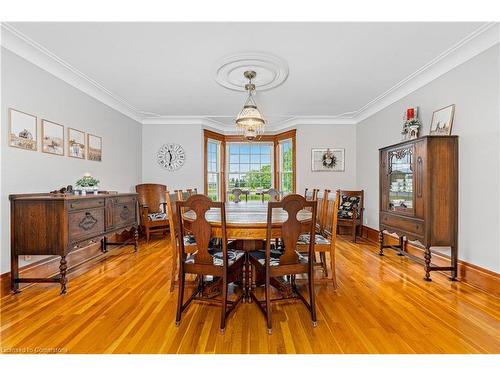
(310, 195)
(153, 215)
(350, 214)
(274, 195)
(236, 194)
(326, 239)
(218, 262)
(287, 261)
(188, 240)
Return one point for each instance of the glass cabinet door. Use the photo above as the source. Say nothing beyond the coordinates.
(401, 180)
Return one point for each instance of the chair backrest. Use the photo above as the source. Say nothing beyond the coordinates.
(274, 195)
(292, 228)
(311, 195)
(330, 216)
(236, 193)
(343, 194)
(199, 227)
(321, 198)
(151, 196)
(172, 199)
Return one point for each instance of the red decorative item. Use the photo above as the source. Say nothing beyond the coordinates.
(410, 113)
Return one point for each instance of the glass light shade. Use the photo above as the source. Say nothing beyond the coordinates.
(250, 122)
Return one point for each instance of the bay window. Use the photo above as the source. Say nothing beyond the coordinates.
(260, 165)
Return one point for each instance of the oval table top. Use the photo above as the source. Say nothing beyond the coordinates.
(248, 220)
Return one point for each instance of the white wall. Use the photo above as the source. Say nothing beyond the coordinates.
(474, 88)
(190, 137)
(30, 89)
(325, 136)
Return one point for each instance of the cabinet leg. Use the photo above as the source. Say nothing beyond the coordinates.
(62, 270)
(136, 239)
(381, 243)
(104, 245)
(14, 273)
(454, 263)
(427, 257)
(401, 247)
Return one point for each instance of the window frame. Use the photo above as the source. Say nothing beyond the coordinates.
(225, 139)
(241, 142)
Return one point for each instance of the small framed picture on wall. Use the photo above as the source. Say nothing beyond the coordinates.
(94, 151)
(76, 143)
(328, 159)
(22, 130)
(52, 138)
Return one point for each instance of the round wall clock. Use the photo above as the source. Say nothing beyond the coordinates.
(171, 156)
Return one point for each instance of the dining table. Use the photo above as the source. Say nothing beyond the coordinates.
(246, 229)
(247, 221)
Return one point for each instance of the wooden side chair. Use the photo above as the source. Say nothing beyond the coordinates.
(326, 238)
(173, 223)
(236, 194)
(153, 214)
(310, 195)
(288, 261)
(274, 195)
(350, 214)
(219, 262)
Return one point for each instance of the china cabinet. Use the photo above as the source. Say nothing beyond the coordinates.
(419, 198)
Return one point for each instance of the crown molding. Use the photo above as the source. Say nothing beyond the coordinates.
(472, 45)
(18, 43)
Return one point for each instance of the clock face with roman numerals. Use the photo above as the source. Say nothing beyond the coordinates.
(171, 156)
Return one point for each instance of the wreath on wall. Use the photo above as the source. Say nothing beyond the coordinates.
(329, 160)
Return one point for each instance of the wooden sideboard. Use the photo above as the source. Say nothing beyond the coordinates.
(419, 197)
(56, 224)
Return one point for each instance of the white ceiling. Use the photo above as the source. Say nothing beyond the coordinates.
(168, 68)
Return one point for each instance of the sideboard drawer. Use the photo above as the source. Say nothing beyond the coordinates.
(85, 203)
(85, 224)
(411, 225)
(124, 213)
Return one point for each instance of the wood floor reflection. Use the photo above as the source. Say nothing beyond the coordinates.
(123, 305)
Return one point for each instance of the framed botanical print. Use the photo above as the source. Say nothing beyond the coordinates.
(52, 138)
(328, 160)
(94, 151)
(442, 120)
(76, 143)
(22, 130)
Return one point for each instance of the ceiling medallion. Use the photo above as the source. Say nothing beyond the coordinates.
(271, 70)
(250, 123)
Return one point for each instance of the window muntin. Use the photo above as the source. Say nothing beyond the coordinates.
(250, 165)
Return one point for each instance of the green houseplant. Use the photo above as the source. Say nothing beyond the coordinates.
(87, 183)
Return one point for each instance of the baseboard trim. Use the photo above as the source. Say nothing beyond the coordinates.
(469, 273)
(49, 266)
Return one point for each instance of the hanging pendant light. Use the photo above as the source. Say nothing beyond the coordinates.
(250, 123)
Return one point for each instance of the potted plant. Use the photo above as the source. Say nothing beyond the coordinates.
(87, 184)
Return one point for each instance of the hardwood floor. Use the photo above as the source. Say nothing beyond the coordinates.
(123, 305)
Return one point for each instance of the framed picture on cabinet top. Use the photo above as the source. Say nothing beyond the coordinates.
(52, 138)
(22, 130)
(76, 143)
(442, 121)
(94, 151)
(327, 159)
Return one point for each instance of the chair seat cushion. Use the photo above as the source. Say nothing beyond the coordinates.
(347, 205)
(157, 216)
(260, 256)
(217, 257)
(189, 240)
(305, 238)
